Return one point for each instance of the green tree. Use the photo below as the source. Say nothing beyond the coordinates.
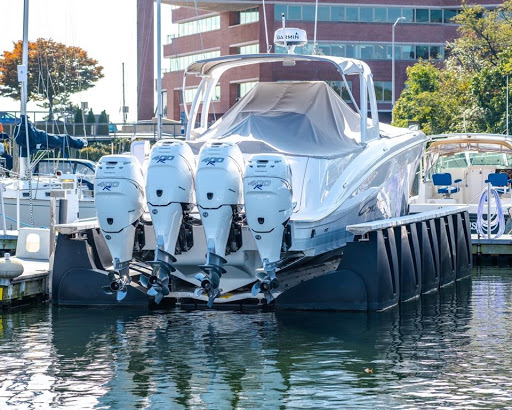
(483, 35)
(90, 121)
(103, 124)
(79, 120)
(91, 118)
(468, 91)
(55, 71)
(426, 99)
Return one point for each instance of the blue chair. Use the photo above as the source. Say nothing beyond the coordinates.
(444, 181)
(500, 182)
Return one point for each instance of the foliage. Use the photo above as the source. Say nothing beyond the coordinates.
(95, 150)
(91, 119)
(102, 128)
(55, 71)
(79, 116)
(468, 91)
(484, 35)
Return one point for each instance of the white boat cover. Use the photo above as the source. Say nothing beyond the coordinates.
(301, 118)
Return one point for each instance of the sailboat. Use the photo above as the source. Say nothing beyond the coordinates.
(26, 198)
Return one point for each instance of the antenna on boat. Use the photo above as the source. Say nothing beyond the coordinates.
(289, 37)
(159, 69)
(269, 46)
(314, 33)
(283, 20)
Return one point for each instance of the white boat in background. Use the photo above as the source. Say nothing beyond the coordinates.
(456, 169)
(267, 189)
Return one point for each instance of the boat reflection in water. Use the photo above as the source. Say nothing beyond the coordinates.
(442, 350)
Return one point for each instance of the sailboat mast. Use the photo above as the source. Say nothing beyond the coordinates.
(23, 78)
(124, 104)
(159, 68)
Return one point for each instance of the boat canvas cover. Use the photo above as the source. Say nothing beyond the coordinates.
(41, 140)
(301, 118)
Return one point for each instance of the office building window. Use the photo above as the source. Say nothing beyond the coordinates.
(244, 88)
(448, 14)
(249, 15)
(436, 16)
(365, 14)
(422, 16)
(337, 13)
(191, 92)
(198, 26)
(340, 89)
(374, 51)
(383, 91)
(182, 62)
(250, 49)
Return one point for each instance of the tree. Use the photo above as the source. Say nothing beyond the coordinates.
(427, 99)
(91, 118)
(78, 128)
(483, 36)
(103, 124)
(468, 91)
(55, 71)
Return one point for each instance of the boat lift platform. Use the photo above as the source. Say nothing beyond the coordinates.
(391, 261)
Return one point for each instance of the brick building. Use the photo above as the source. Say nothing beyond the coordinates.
(345, 28)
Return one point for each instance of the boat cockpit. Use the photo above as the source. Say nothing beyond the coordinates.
(456, 168)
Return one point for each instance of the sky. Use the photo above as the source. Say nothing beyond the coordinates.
(106, 29)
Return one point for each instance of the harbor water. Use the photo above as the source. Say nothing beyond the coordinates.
(451, 348)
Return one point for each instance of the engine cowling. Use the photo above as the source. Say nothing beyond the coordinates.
(169, 189)
(268, 203)
(219, 191)
(119, 201)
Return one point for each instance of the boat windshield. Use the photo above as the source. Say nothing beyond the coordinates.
(467, 159)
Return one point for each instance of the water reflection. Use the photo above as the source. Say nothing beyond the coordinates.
(449, 349)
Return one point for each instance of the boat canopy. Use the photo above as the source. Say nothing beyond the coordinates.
(41, 140)
(454, 143)
(278, 115)
(212, 69)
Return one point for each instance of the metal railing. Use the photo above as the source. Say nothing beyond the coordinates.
(110, 130)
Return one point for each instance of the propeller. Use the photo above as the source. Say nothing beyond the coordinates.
(210, 279)
(118, 285)
(209, 286)
(267, 281)
(157, 283)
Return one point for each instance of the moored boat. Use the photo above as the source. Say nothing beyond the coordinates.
(266, 191)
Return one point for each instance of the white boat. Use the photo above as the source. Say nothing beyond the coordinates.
(456, 169)
(34, 199)
(267, 189)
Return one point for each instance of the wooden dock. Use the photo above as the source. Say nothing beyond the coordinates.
(32, 284)
(492, 251)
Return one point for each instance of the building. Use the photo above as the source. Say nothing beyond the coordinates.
(345, 28)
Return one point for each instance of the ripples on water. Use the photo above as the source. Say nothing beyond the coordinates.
(451, 349)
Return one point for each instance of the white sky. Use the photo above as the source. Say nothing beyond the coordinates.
(105, 29)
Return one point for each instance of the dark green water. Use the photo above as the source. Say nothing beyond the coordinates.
(451, 349)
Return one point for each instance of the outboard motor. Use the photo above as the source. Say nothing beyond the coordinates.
(119, 201)
(169, 193)
(219, 195)
(268, 207)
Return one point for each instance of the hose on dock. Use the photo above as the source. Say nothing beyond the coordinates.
(493, 220)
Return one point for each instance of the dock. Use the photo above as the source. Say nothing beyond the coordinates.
(31, 286)
(33, 283)
(492, 251)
